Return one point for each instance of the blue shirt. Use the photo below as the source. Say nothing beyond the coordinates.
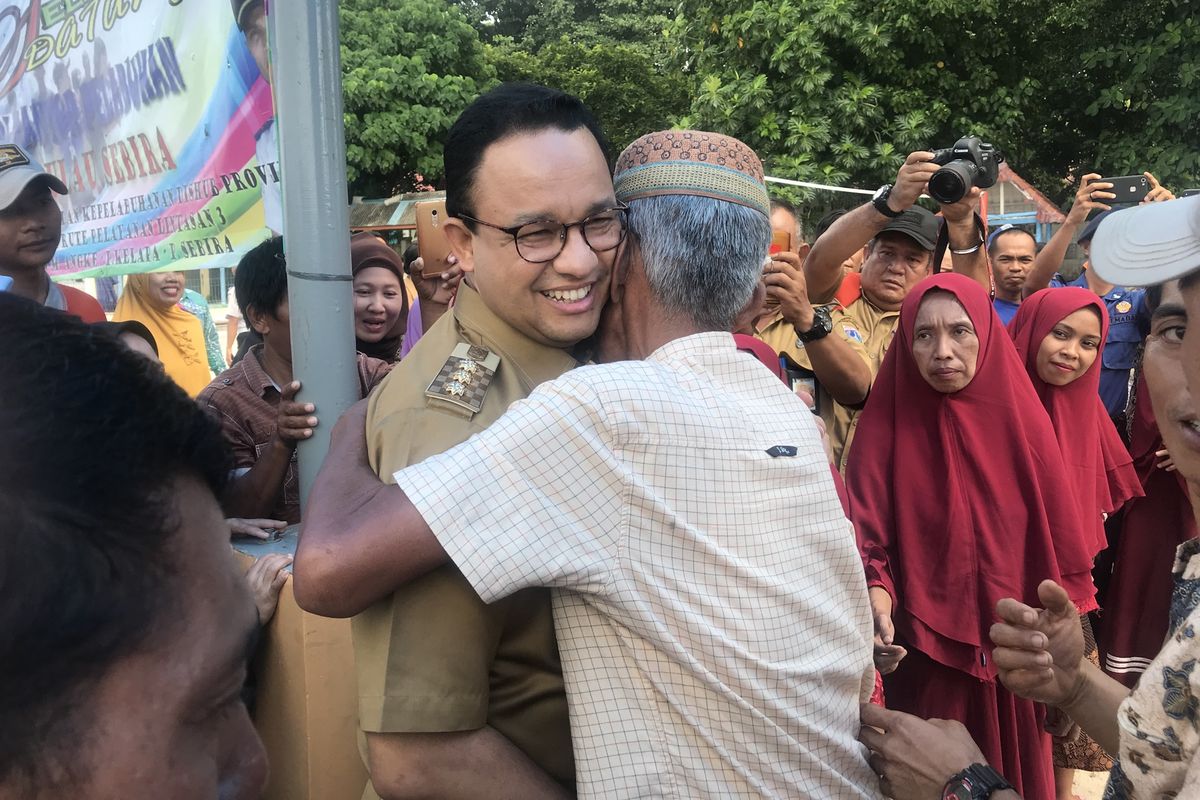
(1005, 309)
(1125, 307)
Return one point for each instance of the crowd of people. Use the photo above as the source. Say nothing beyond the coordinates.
(636, 503)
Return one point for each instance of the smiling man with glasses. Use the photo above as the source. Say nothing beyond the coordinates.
(459, 698)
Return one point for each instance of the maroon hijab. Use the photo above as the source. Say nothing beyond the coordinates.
(1100, 467)
(368, 250)
(958, 497)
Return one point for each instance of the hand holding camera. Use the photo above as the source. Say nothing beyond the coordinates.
(1092, 195)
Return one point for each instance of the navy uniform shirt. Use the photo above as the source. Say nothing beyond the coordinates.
(1125, 306)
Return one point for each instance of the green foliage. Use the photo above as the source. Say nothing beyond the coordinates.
(838, 91)
(620, 83)
(409, 67)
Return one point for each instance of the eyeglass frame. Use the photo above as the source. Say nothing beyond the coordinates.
(564, 232)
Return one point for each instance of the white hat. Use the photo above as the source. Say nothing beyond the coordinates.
(1148, 244)
(17, 169)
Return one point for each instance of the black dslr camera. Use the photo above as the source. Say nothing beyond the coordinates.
(971, 162)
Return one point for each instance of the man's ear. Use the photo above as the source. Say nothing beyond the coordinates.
(260, 322)
(620, 272)
(462, 242)
(802, 251)
(744, 321)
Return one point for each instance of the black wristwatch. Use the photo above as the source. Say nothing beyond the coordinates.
(880, 201)
(976, 782)
(821, 326)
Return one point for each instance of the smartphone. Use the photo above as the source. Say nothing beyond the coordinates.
(781, 241)
(431, 237)
(1190, 192)
(805, 378)
(1128, 188)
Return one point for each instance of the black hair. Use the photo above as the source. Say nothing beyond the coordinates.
(261, 278)
(94, 436)
(779, 202)
(131, 326)
(411, 254)
(991, 246)
(826, 221)
(509, 109)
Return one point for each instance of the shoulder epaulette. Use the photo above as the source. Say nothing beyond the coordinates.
(464, 379)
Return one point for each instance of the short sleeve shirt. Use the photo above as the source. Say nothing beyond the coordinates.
(1126, 307)
(709, 599)
(245, 401)
(781, 336)
(1159, 723)
(434, 657)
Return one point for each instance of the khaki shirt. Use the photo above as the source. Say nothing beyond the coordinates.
(434, 657)
(868, 331)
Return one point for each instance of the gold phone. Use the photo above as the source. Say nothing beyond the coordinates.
(781, 241)
(431, 237)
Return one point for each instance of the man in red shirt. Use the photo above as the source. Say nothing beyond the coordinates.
(30, 226)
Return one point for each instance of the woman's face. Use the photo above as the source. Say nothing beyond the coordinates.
(378, 303)
(945, 345)
(166, 288)
(1070, 348)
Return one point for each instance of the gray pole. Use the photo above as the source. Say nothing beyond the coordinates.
(307, 83)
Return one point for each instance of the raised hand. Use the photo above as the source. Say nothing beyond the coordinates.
(1039, 652)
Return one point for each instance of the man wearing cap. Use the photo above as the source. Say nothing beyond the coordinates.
(897, 239)
(709, 600)
(1153, 731)
(30, 226)
(251, 19)
(1126, 306)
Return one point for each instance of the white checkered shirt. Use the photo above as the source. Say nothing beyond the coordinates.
(712, 609)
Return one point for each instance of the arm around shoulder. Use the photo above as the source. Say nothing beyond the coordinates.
(361, 539)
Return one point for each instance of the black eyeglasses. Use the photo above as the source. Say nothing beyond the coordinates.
(542, 240)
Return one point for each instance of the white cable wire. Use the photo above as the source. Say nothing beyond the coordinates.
(807, 185)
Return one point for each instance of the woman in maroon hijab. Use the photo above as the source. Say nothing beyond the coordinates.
(1060, 335)
(957, 481)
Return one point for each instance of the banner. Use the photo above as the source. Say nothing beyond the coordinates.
(157, 117)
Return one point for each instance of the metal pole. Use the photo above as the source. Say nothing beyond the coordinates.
(307, 84)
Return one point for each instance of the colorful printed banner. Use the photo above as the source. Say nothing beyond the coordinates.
(155, 115)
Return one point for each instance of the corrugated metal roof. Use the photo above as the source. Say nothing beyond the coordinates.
(390, 212)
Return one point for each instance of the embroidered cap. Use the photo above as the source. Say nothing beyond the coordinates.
(17, 169)
(696, 163)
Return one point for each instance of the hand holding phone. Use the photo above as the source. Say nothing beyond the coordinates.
(1129, 188)
(431, 237)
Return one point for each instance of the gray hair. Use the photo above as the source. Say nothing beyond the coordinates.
(702, 257)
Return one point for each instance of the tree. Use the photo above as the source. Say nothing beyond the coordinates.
(620, 83)
(409, 68)
(838, 91)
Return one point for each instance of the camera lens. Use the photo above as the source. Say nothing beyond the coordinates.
(950, 183)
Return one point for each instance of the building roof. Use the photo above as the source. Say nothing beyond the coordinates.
(389, 213)
(1013, 199)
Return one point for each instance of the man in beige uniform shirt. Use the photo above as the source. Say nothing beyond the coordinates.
(897, 239)
(459, 698)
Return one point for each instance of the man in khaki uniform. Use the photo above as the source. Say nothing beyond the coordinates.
(459, 698)
(897, 239)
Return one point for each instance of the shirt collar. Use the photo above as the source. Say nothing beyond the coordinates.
(534, 362)
(254, 374)
(55, 298)
(686, 347)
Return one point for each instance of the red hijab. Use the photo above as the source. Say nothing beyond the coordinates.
(1100, 467)
(958, 497)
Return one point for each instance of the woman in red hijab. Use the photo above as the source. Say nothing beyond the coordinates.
(956, 480)
(1060, 335)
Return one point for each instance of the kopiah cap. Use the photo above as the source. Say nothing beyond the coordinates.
(1148, 244)
(17, 170)
(918, 224)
